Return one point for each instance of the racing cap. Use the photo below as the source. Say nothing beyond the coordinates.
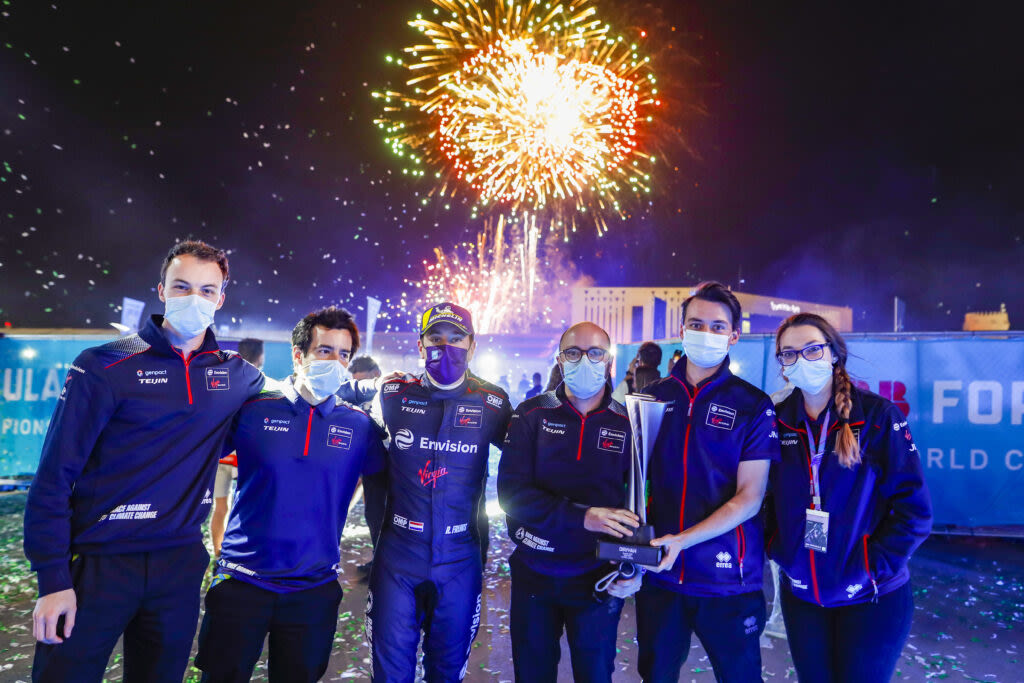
(447, 313)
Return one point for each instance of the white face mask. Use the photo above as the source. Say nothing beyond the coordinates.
(324, 378)
(810, 376)
(189, 315)
(705, 349)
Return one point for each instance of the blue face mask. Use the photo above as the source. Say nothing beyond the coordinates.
(584, 378)
(325, 377)
(446, 364)
(189, 315)
(705, 349)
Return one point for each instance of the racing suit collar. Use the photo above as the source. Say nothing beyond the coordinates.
(444, 393)
(794, 414)
(679, 372)
(152, 334)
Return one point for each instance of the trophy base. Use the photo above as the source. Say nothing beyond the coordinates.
(635, 549)
(616, 551)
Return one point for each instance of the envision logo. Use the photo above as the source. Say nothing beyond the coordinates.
(404, 439)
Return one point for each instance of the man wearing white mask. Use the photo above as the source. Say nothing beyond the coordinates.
(112, 522)
(562, 482)
(301, 451)
(707, 479)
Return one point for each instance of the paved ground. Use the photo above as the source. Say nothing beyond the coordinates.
(968, 622)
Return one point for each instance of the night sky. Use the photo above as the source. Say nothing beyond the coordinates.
(843, 153)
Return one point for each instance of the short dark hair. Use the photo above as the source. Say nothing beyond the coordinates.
(644, 376)
(202, 251)
(718, 293)
(250, 349)
(649, 354)
(537, 378)
(363, 364)
(331, 317)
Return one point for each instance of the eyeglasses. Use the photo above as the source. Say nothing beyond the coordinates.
(574, 354)
(812, 352)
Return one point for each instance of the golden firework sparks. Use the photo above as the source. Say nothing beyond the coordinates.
(533, 107)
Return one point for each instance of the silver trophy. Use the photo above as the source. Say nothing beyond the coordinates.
(645, 414)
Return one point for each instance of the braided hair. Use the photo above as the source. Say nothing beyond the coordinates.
(842, 388)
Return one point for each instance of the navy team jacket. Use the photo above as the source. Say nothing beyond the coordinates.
(707, 432)
(557, 463)
(298, 466)
(437, 464)
(130, 455)
(879, 511)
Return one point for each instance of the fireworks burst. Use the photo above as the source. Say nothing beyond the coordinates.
(533, 107)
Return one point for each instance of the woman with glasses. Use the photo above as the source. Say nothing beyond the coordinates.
(848, 508)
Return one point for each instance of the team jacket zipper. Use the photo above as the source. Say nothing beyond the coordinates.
(686, 453)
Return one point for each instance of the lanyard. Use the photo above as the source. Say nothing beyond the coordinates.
(816, 458)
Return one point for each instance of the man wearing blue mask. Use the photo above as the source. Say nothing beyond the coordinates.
(301, 450)
(707, 479)
(561, 482)
(427, 568)
(112, 523)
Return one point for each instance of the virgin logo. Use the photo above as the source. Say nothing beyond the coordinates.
(429, 477)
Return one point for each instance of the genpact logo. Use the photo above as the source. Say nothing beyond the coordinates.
(404, 439)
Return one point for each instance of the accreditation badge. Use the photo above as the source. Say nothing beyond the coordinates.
(816, 531)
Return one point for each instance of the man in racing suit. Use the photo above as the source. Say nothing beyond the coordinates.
(427, 570)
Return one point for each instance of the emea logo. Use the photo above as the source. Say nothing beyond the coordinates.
(404, 439)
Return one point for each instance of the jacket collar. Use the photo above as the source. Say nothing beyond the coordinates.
(152, 333)
(606, 399)
(301, 406)
(791, 412)
(679, 372)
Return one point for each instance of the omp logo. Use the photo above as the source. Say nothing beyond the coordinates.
(391, 388)
(399, 520)
(724, 560)
(853, 589)
(404, 439)
(494, 400)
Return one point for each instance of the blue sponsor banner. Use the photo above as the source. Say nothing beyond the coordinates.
(32, 373)
(963, 397)
(964, 401)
